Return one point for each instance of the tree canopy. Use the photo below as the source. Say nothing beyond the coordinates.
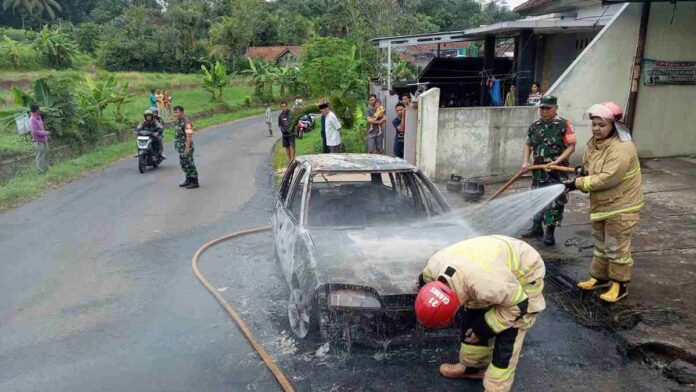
(182, 35)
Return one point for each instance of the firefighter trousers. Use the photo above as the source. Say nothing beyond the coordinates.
(499, 355)
(612, 259)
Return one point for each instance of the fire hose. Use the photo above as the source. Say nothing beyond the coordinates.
(267, 359)
(534, 167)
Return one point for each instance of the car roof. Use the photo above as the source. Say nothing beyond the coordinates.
(354, 162)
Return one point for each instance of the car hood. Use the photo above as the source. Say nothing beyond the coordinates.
(388, 259)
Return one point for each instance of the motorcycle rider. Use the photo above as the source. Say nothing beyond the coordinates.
(151, 124)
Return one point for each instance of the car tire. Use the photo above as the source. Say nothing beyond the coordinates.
(301, 313)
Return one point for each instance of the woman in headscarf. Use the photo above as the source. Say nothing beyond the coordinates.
(612, 178)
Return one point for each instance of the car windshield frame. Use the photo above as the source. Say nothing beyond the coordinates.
(424, 185)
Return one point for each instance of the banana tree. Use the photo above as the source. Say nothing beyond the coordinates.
(96, 96)
(215, 80)
(263, 76)
(287, 76)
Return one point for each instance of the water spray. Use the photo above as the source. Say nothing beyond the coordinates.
(535, 167)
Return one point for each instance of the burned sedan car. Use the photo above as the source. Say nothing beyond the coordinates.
(352, 232)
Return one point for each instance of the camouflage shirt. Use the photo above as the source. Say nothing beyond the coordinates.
(549, 139)
(180, 135)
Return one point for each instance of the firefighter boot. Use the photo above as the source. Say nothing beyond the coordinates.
(458, 370)
(593, 284)
(193, 184)
(185, 183)
(535, 231)
(549, 238)
(616, 292)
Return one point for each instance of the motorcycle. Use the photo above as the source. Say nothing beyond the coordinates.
(147, 154)
(305, 124)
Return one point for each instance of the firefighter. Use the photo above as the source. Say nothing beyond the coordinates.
(498, 282)
(613, 181)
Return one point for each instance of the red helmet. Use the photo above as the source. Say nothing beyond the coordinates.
(608, 110)
(436, 305)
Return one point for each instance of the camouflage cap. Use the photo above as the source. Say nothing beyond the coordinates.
(548, 100)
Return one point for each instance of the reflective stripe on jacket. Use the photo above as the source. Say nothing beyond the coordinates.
(613, 180)
(495, 272)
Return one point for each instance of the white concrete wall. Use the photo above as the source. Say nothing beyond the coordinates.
(665, 122)
(427, 131)
(481, 141)
(410, 134)
(602, 72)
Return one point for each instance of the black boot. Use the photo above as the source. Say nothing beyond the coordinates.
(185, 183)
(549, 239)
(193, 184)
(535, 231)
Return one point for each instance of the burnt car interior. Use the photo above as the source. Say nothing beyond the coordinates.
(369, 199)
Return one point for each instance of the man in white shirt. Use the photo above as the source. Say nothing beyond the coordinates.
(330, 127)
(267, 120)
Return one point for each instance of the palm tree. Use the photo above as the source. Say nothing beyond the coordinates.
(31, 6)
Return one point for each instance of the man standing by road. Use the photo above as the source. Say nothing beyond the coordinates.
(40, 138)
(331, 126)
(498, 281)
(551, 141)
(286, 129)
(399, 123)
(183, 143)
(267, 120)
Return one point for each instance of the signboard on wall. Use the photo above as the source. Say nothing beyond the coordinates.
(668, 72)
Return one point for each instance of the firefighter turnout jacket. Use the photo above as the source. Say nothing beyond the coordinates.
(498, 273)
(613, 179)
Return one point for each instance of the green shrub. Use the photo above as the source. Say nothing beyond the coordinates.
(56, 47)
(17, 55)
(354, 138)
(87, 36)
(18, 35)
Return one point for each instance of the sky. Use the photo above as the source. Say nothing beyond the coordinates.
(515, 3)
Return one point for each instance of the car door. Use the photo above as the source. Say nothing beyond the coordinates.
(289, 214)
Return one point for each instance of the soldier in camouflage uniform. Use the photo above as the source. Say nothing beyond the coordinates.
(551, 141)
(183, 143)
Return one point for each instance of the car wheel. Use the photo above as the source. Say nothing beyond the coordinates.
(300, 313)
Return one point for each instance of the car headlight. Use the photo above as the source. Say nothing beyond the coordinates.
(347, 298)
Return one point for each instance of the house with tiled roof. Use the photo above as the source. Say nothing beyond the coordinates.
(279, 55)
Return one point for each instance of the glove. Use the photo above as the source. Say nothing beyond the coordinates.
(580, 171)
(569, 185)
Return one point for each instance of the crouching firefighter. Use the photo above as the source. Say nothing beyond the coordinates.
(497, 281)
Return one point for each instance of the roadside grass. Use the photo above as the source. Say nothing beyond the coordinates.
(353, 142)
(30, 185)
(309, 144)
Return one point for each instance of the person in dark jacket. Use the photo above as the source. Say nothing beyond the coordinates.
(287, 130)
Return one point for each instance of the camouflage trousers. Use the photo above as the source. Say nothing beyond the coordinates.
(188, 165)
(612, 253)
(553, 214)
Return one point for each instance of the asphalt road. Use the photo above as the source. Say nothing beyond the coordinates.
(97, 293)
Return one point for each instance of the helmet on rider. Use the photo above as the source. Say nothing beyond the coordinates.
(436, 305)
(148, 112)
